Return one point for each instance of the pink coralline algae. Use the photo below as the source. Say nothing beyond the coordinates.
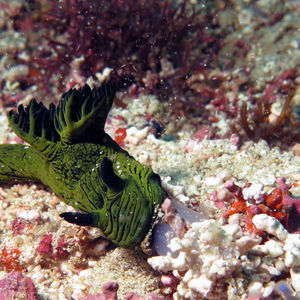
(169, 280)
(18, 226)
(286, 198)
(136, 38)
(204, 132)
(17, 286)
(172, 218)
(60, 251)
(292, 203)
(109, 292)
(46, 248)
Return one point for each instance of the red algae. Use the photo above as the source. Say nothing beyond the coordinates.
(260, 127)
(274, 204)
(132, 38)
(9, 259)
(120, 135)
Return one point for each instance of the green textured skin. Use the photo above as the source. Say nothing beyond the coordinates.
(70, 152)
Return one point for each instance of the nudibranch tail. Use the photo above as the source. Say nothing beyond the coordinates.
(20, 162)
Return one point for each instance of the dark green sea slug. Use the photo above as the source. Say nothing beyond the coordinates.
(70, 152)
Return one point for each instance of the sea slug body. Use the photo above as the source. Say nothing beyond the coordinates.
(70, 152)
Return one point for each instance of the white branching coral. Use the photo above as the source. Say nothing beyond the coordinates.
(207, 254)
(288, 243)
(211, 259)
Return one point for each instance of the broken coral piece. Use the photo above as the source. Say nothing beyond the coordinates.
(291, 241)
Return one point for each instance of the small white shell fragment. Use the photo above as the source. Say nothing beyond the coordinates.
(187, 276)
(184, 199)
(259, 250)
(295, 278)
(218, 268)
(255, 290)
(173, 190)
(210, 254)
(15, 71)
(233, 230)
(29, 215)
(290, 259)
(245, 243)
(270, 269)
(201, 285)
(269, 289)
(213, 180)
(135, 136)
(292, 248)
(175, 245)
(234, 219)
(274, 248)
(101, 76)
(279, 265)
(38, 275)
(180, 262)
(270, 225)
(254, 191)
(166, 263)
(162, 263)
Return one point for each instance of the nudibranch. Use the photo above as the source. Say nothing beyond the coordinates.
(70, 152)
